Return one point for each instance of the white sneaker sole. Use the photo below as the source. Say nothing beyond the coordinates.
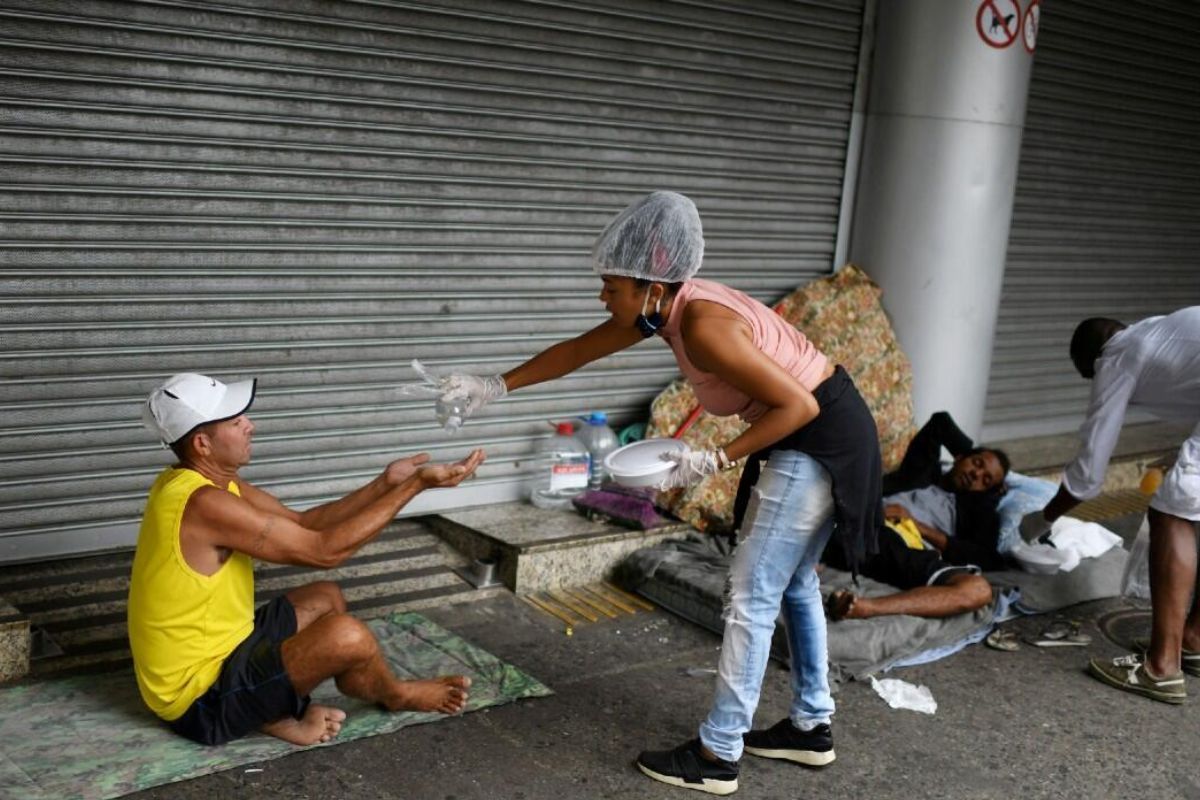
(709, 785)
(809, 758)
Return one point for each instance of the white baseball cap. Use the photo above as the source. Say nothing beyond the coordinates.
(186, 401)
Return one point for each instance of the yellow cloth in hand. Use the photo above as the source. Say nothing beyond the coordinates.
(908, 531)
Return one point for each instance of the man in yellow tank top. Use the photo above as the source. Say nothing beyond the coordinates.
(206, 662)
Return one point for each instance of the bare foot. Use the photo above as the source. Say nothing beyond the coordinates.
(319, 724)
(447, 695)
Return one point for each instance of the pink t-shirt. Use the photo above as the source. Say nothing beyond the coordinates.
(773, 335)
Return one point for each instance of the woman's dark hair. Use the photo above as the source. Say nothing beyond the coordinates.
(672, 288)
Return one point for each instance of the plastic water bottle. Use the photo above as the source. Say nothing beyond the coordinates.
(449, 413)
(562, 469)
(600, 440)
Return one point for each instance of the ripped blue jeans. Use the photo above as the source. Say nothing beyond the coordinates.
(787, 524)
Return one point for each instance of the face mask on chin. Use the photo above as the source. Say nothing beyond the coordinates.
(649, 325)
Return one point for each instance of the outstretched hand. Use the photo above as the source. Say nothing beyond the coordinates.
(402, 469)
(443, 476)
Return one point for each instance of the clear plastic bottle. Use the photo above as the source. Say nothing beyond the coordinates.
(600, 440)
(562, 469)
(449, 413)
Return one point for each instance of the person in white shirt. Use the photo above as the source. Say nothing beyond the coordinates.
(1153, 365)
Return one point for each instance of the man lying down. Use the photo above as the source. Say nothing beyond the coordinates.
(941, 530)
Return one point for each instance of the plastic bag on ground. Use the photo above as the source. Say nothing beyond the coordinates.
(1136, 580)
(902, 694)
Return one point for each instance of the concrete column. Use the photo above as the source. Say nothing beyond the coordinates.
(934, 199)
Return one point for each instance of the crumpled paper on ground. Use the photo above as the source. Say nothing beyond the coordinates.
(902, 694)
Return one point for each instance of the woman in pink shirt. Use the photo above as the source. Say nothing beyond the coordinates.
(813, 467)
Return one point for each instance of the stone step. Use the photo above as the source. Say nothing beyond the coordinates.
(15, 643)
(536, 549)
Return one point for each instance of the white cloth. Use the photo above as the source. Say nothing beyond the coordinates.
(1154, 365)
(1072, 541)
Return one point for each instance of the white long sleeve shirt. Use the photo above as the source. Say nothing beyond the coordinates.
(1154, 365)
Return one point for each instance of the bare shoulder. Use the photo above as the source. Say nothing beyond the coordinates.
(697, 310)
(217, 518)
(264, 501)
(213, 505)
(706, 320)
(714, 340)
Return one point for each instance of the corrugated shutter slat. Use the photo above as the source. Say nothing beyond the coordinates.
(316, 192)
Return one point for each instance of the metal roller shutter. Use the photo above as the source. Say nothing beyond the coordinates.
(1106, 219)
(317, 192)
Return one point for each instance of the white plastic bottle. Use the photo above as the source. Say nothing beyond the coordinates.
(562, 470)
(600, 440)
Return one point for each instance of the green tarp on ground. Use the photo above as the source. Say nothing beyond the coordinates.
(90, 737)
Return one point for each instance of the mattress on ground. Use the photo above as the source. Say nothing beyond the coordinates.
(687, 576)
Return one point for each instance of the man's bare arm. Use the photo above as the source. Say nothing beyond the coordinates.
(220, 519)
(326, 515)
(935, 537)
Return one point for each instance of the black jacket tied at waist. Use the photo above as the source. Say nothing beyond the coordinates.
(844, 440)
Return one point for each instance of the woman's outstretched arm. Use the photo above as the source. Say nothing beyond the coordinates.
(565, 357)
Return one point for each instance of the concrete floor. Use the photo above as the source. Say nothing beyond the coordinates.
(1026, 724)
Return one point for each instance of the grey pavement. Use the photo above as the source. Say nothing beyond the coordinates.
(1028, 724)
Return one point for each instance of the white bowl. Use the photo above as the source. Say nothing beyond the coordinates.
(641, 463)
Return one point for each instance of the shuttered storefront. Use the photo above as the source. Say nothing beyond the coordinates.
(315, 193)
(1107, 213)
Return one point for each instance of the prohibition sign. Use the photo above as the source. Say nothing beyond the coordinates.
(998, 22)
(1029, 26)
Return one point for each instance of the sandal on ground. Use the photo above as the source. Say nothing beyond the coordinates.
(1061, 633)
(1001, 639)
(838, 604)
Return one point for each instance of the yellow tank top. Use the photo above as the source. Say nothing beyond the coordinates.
(182, 624)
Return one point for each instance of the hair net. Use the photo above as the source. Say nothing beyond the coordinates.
(657, 238)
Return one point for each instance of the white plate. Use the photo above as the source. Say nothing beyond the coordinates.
(641, 463)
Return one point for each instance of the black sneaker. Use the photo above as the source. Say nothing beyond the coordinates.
(784, 740)
(686, 767)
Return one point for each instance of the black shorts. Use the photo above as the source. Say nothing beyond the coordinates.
(901, 566)
(252, 689)
(897, 564)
